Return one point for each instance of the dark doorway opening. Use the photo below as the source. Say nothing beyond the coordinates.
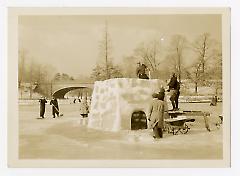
(138, 120)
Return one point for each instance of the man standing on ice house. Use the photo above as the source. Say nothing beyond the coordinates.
(141, 71)
(156, 115)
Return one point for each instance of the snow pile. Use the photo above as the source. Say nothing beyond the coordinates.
(114, 101)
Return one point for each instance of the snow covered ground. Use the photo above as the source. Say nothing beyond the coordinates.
(66, 138)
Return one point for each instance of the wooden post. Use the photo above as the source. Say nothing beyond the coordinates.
(30, 90)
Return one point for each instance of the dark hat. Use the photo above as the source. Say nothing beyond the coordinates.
(161, 96)
(155, 95)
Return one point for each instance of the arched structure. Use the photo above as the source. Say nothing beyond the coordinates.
(59, 94)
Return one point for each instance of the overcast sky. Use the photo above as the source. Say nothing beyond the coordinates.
(71, 43)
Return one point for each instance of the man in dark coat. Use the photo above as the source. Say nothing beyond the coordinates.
(42, 101)
(55, 108)
(173, 82)
(177, 94)
(141, 71)
(173, 90)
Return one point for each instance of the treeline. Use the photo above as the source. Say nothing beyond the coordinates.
(38, 75)
(62, 77)
(199, 61)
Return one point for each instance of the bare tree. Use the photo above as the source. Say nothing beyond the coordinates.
(201, 47)
(177, 45)
(38, 76)
(105, 48)
(31, 79)
(99, 72)
(215, 68)
(172, 63)
(195, 74)
(106, 69)
(208, 61)
(21, 66)
(106, 51)
(215, 60)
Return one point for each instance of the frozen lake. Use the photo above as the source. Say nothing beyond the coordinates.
(65, 138)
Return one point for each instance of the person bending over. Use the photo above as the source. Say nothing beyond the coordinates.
(156, 115)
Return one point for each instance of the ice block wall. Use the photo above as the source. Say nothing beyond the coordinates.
(114, 101)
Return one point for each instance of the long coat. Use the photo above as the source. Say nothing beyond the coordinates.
(55, 108)
(84, 107)
(156, 113)
(42, 101)
(173, 83)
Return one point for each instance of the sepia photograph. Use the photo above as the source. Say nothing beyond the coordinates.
(119, 85)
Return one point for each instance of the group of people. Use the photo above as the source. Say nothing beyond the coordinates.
(53, 102)
(76, 99)
(174, 85)
(157, 107)
(84, 107)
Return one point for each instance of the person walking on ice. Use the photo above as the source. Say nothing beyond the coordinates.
(84, 110)
(55, 108)
(42, 101)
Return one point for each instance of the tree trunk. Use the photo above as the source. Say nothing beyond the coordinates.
(106, 52)
(196, 87)
(179, 54)
(31, 75)
(179, 74)
(31, 90)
